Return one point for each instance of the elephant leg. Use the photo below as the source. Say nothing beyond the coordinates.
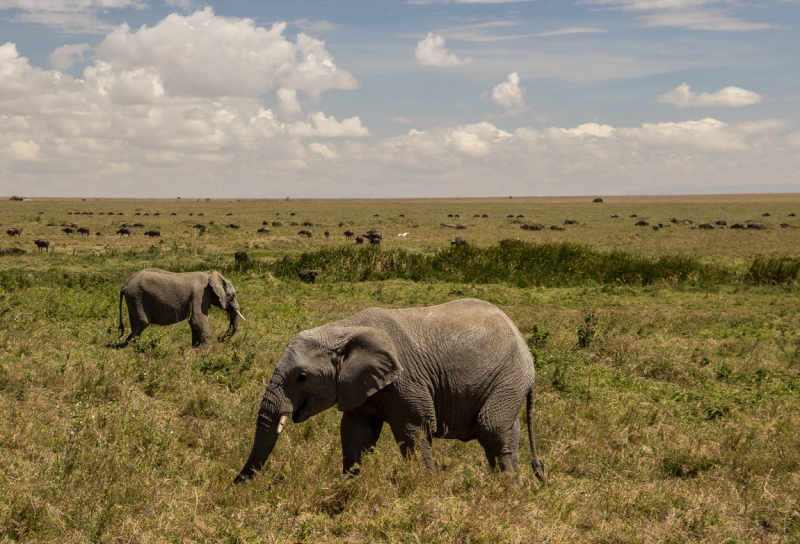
(359, 435)
(501, 447)
(414, 438)
(201, 332)
(138, 318)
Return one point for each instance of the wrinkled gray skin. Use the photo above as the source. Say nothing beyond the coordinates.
(458, 370)
(163, 298)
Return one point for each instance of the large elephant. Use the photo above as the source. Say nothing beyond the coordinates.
(458, 370)
(163, 298)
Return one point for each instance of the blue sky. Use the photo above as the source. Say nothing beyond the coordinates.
(398, 99)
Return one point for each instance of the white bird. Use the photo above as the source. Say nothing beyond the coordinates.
(404, 234)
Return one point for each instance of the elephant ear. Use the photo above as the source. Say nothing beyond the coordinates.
(220, 286)
(368, 364)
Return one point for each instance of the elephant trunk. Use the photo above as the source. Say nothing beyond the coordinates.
(233, 324)
(269, 425)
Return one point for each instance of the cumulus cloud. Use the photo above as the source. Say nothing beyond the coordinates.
(430, 51)
(729, 97)
(510, 95)
(205, 55)
(64, 57)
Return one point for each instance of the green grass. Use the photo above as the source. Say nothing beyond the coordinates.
(667, 397)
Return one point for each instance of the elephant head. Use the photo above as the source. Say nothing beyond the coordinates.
(320, 368)
(224, 297)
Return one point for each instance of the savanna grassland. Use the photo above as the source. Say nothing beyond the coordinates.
(668, 372)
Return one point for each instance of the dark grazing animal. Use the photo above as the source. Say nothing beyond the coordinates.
(241, 257)
(42, 244)
(153, 233)
(308, 275)
(68, 230)
(84, 230)
(14, 231)
(458, 241)
(263, 230)
(123, 232)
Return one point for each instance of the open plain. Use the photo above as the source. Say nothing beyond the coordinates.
(668, 379)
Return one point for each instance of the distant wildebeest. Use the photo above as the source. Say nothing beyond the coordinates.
(229, 213)
(558, 227)
(123, 232)
(520, 216)
(687, 221)
(265, 223)
(153, 233)
(402, 215)
(447, 225)
(241, 257)
(757, 226)
(706, 226)
(294, 224)
(461, 226)
(359, 239)
(12, 251)
(292, 213)
(765, 214)
(510, 216)
(598, 200)
(200, 214)
(449, 215)
(656, 227)
(84, 230)
(375, 241)
(307, 224)
(42, 244)
(14, 231)
(738, 226)
(125, 225)
(537, 226)
(327, 234)
(633, 215)
(477, 215)
(263, 230)
(484, 216)
(277, 224)
(73, 225)
(147, 214)
(137, 213)
(615, 216)
(348, 234)
(233, 226)
(156, 213)
(458, 241)
(376, 215)
(199, 226)
(721, 223)
(642, 223)
(792, 214)
(139, 225)
(571, 222)
(68, 230)
(306, 233)
(308, 275)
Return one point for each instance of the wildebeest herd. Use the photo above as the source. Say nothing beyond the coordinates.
(370, 236)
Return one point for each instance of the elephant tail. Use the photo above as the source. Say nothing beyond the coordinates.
(121, 324)
(538, 466)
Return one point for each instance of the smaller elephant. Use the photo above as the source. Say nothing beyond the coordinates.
(164, 298)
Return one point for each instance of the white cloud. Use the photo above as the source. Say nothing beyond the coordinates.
(430, 51)
(323, 149)
(510, 95)
(73, 16)
(319, 125)
(402, 120)
(205, 55)
(64, 57)
(315, 26)
(729, 97)
(688, 14)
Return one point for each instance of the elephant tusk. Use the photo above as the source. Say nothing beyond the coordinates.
(240, 315)
(281, 423)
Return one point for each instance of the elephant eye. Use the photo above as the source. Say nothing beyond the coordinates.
(302, 377)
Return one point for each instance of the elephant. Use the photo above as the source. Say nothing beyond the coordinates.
(163, 298)
(459, 370)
